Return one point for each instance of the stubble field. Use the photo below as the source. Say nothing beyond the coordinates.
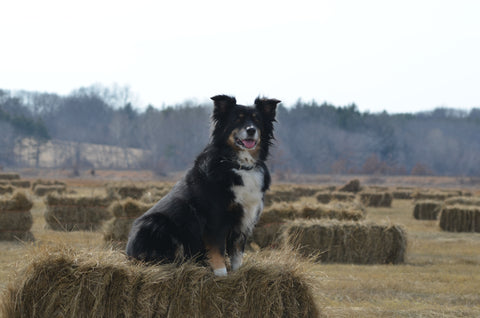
(440, 277)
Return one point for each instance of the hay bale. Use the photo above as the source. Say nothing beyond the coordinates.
(76, 213)
(376, 199)
(20, 183)
(42, 190)
(9, 176)
(4, 189)
(153, 195)
(337, 210)
(402, 194)
(125, 191)
(15, 218)
(342, 196)
(333, 241)
(47, 183)
(351, 186)
(124, 213)
(68, 283)
(435, 195)
(460, 218)
(288, 193)
(377, 188)
(474, 201)
(427, 209)
(326, 197)
(268, 229)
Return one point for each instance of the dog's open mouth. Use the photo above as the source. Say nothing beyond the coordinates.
(247, 143)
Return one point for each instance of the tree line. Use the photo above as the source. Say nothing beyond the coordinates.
(310, 137)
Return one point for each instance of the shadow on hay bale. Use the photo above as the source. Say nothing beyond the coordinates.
(427, 209)
(124, 213)
(334, 241)
(460, 218)
(67, 283)
(76, 213)
(15, 218)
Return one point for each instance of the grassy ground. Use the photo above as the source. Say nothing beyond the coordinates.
(441, 276)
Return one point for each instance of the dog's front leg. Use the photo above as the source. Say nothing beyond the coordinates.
(235, 247)
(216, 260)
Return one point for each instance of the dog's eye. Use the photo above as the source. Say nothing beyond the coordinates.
(255, 119)
(239, 118)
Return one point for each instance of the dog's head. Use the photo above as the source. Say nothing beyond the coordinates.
(244, 128)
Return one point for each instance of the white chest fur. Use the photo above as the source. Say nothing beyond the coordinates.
(249, 196)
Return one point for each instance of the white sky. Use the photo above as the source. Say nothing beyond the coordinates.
(401, 56)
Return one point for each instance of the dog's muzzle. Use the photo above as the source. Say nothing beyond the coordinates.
(247, 137)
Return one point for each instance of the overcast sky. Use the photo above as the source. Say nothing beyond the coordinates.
(399, 56)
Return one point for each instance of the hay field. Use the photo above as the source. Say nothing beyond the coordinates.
(440, 278)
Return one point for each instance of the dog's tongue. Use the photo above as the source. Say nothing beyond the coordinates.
(248, 143)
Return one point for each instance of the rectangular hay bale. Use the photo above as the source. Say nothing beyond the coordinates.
(68, 283)
(334, 241)
(15, 218)
(267, 231)
(460, 218)
(124, 212)
(20, 183)
(376, 199)
(42, 190)
(9, 176)
(76, 213)
(427, 209)
(463, 200)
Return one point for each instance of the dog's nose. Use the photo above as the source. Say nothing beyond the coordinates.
(251, 131)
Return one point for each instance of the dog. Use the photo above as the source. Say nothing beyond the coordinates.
(209, 214)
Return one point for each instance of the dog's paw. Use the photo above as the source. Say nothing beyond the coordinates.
(220, 271)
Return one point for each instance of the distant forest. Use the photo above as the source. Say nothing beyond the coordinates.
(311, 138)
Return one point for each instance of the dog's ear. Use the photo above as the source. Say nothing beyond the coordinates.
(267, 107)
(223, 104)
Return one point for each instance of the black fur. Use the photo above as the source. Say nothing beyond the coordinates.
(202, 211)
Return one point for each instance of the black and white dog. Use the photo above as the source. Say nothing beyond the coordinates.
(212, 210)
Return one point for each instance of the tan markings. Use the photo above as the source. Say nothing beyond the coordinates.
(215, 259)
(231, 139)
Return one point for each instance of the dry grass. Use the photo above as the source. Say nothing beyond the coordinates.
(440, 276)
